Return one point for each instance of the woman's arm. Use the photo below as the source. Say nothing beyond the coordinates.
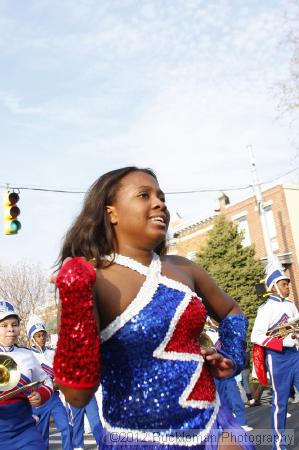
(77, 357)
(233, 324)
(218, 303)
(77, 397)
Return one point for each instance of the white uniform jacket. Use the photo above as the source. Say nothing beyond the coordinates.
(45, 358)
(30, 371)
(274, 312)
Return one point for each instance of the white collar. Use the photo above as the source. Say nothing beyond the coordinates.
(6, 349)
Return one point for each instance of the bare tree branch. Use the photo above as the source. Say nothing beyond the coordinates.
(25, 286)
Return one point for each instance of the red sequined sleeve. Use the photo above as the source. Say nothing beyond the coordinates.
(77, 357)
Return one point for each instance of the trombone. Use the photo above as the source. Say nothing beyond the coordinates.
(10, 376)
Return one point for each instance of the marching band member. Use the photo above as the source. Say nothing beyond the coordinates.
(281, 354)
(17, 427)
(37, 334)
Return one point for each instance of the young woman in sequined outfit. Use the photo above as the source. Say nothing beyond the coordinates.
(157, 383)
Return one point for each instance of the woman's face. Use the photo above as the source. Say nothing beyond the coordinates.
(139, 214)
(9, 331)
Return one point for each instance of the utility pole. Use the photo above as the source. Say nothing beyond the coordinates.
(259, 200)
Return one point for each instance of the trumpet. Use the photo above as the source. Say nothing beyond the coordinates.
(283, 330)
(10, 376)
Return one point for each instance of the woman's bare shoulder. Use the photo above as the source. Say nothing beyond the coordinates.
(181, 269)
(181, 262)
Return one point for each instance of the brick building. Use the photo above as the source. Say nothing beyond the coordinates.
(281, 205)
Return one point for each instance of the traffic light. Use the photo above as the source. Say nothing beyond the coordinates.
(11, 212)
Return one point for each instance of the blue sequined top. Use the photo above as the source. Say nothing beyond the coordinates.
(153, 374)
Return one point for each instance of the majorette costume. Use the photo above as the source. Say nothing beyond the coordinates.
(17, 427)
(54, 406)
(156, 386)
(276, 355)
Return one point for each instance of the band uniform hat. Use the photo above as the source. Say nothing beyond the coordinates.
(274, 272)
(34, 325)
(7, 309)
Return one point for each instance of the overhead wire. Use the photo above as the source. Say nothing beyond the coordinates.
(194, 191)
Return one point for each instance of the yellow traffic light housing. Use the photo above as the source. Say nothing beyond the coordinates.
(11, 212)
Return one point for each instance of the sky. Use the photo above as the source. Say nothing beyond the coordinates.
(181, 86)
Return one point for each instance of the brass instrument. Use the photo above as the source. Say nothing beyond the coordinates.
(9, 373)
(204, 339)
(283, 330)
(10, 376)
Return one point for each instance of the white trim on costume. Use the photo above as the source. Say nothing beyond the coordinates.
(143, 298)
(161, 353)
(146, 292)
(149, 436)
(177, 285)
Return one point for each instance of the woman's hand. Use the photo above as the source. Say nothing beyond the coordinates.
(52, 278)
(35, 399)
(219, 366)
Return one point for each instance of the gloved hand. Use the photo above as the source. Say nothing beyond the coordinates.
(289, 341)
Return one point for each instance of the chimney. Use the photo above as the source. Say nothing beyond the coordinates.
(222, 202)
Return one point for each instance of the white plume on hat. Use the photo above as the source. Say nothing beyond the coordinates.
(34, 325)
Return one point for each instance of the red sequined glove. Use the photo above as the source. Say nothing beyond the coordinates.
(77, 357)
(258, 358)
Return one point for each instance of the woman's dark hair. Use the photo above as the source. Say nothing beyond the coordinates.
(91, 234)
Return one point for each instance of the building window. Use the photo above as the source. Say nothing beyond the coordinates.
(271, 227)
(243, 226)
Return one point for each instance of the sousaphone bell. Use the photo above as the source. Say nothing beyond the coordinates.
(9, 373)
(10, 376)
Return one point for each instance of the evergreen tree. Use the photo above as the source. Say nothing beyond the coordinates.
(234, 267)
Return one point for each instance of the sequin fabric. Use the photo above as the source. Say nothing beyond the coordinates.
(258, 357)
(153, 374)
(232, 335)
(184, 340)
(77, 361)
(141, 391)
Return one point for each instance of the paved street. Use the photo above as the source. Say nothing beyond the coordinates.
(258, 418)
(55, 441)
